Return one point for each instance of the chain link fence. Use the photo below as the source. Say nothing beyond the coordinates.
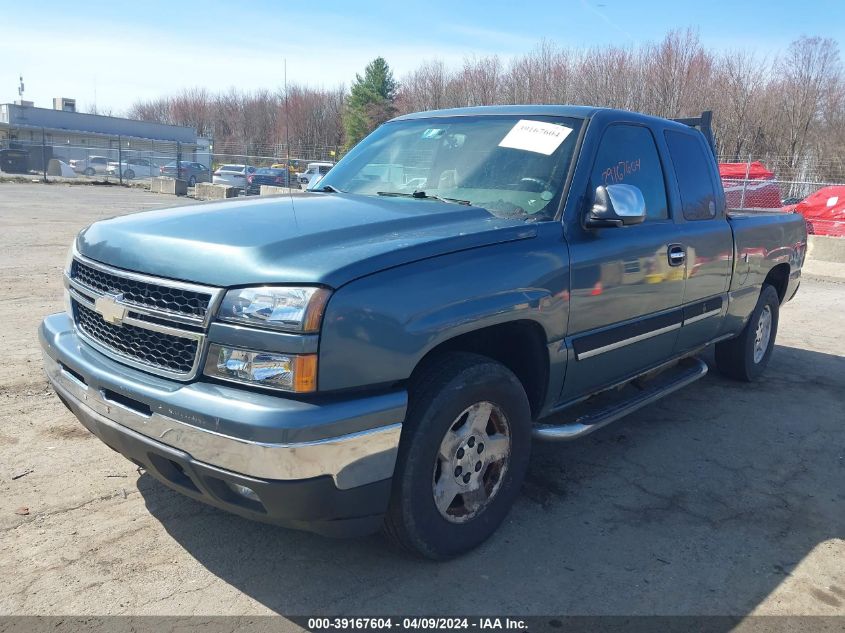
(133, 161)
(752, 179)
(108, 160)
(767, 182)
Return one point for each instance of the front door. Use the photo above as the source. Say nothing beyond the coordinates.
(625, 292)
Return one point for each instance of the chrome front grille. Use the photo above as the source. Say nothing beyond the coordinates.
(156, 349)
(150, 323)
(142, 293)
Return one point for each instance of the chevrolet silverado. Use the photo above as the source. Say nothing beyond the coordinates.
(380, 351)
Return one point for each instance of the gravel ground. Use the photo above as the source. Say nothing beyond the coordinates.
(723, 499)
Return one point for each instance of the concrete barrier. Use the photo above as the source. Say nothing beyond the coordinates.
(208, 191)
(826, 249)
(271, 190)
(172, 186)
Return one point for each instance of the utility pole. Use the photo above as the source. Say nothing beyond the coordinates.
(745, 182)
(44, 153)
(287, 127)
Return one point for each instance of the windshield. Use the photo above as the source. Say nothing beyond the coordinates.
(511, 166)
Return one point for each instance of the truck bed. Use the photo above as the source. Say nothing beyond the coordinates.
(764, 239)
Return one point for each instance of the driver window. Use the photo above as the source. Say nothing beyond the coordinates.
(628, 155)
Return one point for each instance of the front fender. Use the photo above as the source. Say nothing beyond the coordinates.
(377, 329)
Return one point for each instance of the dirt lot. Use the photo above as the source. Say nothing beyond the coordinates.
(724, 499)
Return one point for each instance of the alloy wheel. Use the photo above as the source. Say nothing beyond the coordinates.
(472, 462)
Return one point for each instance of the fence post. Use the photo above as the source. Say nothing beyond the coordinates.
(44, 154)
(120, 158)
(745, 182)
(178, 160)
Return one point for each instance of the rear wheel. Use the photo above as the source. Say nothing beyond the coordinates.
(746, 356)
(464, 451)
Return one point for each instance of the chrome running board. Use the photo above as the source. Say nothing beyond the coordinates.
(591, 419)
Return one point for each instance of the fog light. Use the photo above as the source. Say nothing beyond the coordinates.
(289, 372)
(244, 491)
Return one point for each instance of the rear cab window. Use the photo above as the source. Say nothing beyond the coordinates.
(692, 165)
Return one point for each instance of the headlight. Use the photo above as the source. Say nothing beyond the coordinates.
(288, 372)
(283, 308)
(69, 257)
(67, 271)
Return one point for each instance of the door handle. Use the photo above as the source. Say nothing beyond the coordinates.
(677, 255)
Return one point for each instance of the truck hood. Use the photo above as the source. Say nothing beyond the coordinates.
(321, 238)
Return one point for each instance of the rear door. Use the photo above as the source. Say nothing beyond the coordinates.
(626, 296)
(200, 172)
(704, 234)
(142, 167)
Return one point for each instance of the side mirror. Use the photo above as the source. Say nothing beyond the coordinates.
(616, 205)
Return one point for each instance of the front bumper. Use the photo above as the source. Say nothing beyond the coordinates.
(323, 467)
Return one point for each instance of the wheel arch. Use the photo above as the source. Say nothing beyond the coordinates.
(519, 345)
(778, 278)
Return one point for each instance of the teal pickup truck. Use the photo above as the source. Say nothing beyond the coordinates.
(381, 351)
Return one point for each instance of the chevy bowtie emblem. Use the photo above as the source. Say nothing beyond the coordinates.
(109, 308)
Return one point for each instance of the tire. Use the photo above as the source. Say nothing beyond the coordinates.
(129, 174)
(192, 181)
(89, 171)
(745, 357)
(452, 395)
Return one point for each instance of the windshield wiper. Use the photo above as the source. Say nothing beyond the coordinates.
(422, 195)
(328, 189)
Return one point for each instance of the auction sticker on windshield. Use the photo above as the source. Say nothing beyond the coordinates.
(535, 136)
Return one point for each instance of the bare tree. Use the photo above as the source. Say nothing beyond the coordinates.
(789, 112)
(424, 88)
(739, 79)
(677, 72)
(808, 73)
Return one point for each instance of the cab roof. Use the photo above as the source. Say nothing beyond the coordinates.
(575, 111)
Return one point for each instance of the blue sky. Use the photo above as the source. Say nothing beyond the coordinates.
(123, 51)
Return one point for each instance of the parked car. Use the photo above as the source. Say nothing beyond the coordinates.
(293, 166)
(824, 211)
(90, 166)
(383, 351)
(750, 186)
(267, 176)
(233, 175)
(314, 170)
(134, 168)
(192, 172)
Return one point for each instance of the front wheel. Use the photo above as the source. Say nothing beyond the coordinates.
(746, 356)
(463, 455)
(129, 174)
(192, 181)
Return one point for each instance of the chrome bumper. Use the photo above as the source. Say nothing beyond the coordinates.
(108, 392)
